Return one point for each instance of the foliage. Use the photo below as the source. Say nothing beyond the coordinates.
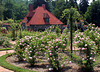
(4, 41)
(57, 29)
(53, 56)
(37, 3)
(1, 23)
(15, 9)
(1, 9)
(83, 6)
(94, 35)
(1, 40)
(71, 14)
(73, 3)
(87, 47)
(21, 10)
(30, 53)
(93, 12)
(30, 48)
(52, 28)
(8, 12)
(18, 21)
(14, 27)
(20, 47)
(53, 50)
(65, 30)
(3, 30)
(60, 5)
(8, 21)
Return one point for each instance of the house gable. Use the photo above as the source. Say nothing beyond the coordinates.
(40, 16)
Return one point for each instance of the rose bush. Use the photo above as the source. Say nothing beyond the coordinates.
(94, 35)
(88, 48)
(45, 44)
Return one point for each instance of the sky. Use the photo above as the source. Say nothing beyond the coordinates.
(79, 1)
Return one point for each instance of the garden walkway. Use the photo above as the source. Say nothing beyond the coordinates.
(3, 53)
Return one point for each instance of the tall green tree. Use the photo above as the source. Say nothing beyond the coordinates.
(72, 15)
(1, 12)
(60, 5)
(15, 9)
(93, 0)
(83, 6)
(9, 11)
(20, 11)
(72, 3)
(93, 13)
(1, 9)
(37, 3)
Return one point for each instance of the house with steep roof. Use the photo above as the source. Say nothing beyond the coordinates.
(40, 19)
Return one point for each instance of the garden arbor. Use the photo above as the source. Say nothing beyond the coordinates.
(71, 15)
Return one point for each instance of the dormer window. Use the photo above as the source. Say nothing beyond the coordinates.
(46, 17)
(47, 20)
(27, 20)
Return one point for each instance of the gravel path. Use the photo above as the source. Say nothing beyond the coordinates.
(3, 53)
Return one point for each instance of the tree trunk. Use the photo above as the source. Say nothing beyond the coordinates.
(71, 23)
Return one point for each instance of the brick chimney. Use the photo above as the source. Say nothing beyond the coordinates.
(43, 5)
(30, 7)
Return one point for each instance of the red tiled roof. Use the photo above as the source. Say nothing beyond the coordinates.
(37, 17)
(45, 15)
(86, 25)
(82, 20)
(65, 25)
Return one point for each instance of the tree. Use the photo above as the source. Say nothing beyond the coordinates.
(9, 12)
(15, 9)
(83, 6)
(1, 9)
(20, 11)
(1, 12)
(60, 5)
(93, 13)
(37, 3)
(72, 15)
(71, 2)
(93, 0)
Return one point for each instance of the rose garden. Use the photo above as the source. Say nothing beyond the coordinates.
(49, 50)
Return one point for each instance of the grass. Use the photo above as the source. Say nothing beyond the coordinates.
(6, 49)
(11, 67)
(97, 60)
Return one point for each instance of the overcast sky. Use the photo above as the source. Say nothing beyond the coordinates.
(89, 1)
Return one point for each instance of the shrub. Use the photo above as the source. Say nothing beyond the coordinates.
(14, 30)
(30, 48)
(87, 47)
(94, 35)
(65, 30)
(53, 50)
(4, 41)
(30, 53)
(20, 47)
(3, 30)
(53, 57)
(9, 21)
(57, 29)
